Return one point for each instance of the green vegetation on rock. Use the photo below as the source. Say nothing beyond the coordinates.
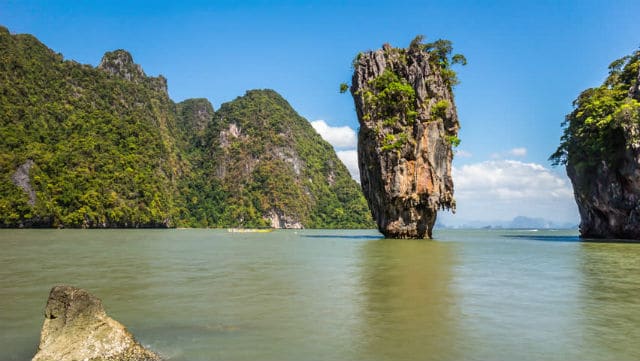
(600, 149)
(391, 99)
(107, 147)
(408, 126)
(595, 130)
(101, 145)
(270, 160)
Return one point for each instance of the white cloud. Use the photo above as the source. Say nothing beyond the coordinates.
(343, 138)
(350, 159)
(518, 152)
(504, 189)
(339, 137)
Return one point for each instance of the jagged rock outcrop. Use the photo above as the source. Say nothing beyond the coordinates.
(408, 123)
(601, 150)
(21, 179)
(120, 63)
(76, 327)
(277, 219)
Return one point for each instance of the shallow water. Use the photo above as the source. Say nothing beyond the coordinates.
(334, 295)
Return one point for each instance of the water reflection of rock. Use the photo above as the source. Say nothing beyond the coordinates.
(409, 308)
(610, 300)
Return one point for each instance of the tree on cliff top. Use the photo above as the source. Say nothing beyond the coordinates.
(594, 131)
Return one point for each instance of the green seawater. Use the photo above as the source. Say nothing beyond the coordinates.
(333, 294)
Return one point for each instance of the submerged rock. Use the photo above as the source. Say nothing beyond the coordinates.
(76, 327)
(408, 125)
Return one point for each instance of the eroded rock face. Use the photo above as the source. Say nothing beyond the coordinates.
(120, 63)
(608, 195)
(76, 327)
(21, 179)
(279, 220)
(408, 122)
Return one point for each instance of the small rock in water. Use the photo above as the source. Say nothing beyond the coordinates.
(76, 327)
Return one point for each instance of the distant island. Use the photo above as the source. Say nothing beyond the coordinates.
(519, 222)
(98, 147)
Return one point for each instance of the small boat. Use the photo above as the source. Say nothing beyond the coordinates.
(249, 230)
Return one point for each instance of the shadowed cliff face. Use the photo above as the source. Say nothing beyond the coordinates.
(408, 123)
(608, 194)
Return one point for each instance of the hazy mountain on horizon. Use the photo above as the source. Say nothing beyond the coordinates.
(518, 222)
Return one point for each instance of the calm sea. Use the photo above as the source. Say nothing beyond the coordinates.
(333, 294)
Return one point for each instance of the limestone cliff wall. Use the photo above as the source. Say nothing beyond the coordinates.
(408, 123)
(608, 194)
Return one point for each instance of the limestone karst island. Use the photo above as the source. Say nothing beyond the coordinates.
(408, 126)
(601, 150)
(106, 147)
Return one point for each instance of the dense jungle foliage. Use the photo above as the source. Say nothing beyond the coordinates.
(598, 128)
(269, 158)
(108, 151)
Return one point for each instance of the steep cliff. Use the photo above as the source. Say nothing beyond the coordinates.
(601, 150)
(275, 169)
(408, 125)
(105, 146)
(98, 141)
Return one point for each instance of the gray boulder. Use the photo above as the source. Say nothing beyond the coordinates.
(76, 327)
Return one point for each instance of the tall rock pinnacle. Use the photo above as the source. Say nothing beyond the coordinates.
(408, 126)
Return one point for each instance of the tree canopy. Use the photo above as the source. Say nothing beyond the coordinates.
(595, 130)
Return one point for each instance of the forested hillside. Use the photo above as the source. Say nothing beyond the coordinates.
(105, 146)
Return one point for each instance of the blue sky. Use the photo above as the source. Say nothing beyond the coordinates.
(527, 62)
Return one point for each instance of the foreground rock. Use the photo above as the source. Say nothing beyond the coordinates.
(601, 150)
(76, 327)
(408, 125)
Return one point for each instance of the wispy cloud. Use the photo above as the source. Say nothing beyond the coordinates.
(339, 137)
(503, 189)
(518, 152)
(461, 153)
